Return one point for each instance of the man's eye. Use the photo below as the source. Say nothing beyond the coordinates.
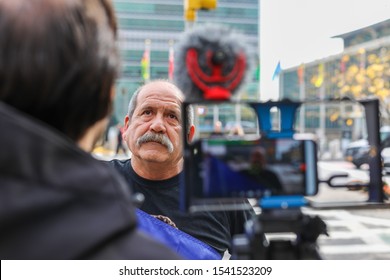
(147, 112)
(172, 116)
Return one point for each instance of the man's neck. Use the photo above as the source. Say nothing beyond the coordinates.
(156, 170)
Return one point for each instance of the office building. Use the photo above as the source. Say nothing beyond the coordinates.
(361, 70)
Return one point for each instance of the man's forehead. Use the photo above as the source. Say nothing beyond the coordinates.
(161, 91)
(157, 103)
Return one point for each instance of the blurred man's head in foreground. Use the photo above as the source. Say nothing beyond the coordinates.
(59, 61)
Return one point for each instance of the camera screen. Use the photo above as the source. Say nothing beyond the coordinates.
(253, 168)
(222, 168)
(226, 168)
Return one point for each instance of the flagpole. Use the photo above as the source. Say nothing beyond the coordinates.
(145, 62)
(302, 96)
(277, 71)
(170, 61)
(148, 43)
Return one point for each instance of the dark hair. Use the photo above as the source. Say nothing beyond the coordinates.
(59, 60)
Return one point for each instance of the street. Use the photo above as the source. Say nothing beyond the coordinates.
(354, 233)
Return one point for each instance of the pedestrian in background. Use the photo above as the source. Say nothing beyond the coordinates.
(217, 131)
(237, 130)
(120, 145)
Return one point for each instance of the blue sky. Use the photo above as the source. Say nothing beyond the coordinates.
(299, 31)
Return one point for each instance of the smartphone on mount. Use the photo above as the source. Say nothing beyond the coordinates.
(220, 173)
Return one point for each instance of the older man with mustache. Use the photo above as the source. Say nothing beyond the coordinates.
(154, 136)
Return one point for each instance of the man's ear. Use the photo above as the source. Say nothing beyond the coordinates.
(126, 126)
(191, 133)
(127, 121)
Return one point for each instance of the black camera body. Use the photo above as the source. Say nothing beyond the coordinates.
(277, 169)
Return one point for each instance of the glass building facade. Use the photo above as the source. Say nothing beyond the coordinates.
(361, 70)
(161, 22)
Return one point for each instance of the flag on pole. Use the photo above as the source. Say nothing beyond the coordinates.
(301, 73)
(145, 62)
(343, 63)
(171, 65)
(320, 77)
(362, 53)
(257, 72)
(278, 69)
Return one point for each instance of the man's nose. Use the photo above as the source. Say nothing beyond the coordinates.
(158, 124)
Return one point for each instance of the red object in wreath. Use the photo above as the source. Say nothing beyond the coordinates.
(217, 85)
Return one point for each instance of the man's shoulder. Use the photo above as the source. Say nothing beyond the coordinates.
(123, 167)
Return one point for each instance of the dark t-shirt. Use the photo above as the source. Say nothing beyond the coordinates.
(162, 198)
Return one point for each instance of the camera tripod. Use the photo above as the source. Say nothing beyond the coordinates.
(253, 244)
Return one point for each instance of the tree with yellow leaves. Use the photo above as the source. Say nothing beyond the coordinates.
(366, 74)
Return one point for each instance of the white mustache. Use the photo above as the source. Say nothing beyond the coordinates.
(155, 137)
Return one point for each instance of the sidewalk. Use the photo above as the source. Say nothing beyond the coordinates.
(103, 153)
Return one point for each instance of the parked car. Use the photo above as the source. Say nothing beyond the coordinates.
(386, 160)
(357, 152)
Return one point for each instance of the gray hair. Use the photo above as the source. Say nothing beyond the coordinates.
(134, 98)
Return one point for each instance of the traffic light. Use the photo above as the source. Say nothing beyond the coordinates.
(191, 6)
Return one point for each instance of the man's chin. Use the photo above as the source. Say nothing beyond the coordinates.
(158, 155)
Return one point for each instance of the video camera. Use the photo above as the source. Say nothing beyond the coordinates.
(277, 168)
